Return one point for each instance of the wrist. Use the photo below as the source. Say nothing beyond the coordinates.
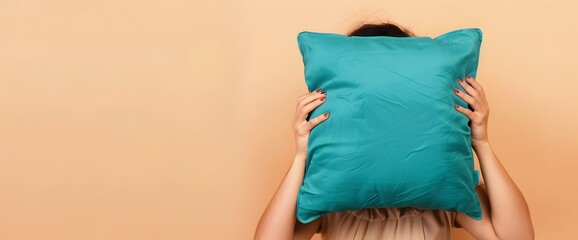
(300, 156)
(481, 145)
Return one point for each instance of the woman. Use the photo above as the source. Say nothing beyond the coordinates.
(505, 211)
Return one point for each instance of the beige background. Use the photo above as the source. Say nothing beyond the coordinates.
(172, 119)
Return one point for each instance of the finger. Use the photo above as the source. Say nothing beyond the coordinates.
(466, 97)
(480, 95)
(316, 120)
(301, 112)
(309, 94)
(309, 97)
(310, 106)
(465, 111)
(472, 81)
(469, 89)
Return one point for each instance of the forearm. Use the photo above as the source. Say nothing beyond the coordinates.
(509, 211)
(278, 220)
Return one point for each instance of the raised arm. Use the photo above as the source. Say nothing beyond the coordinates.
(505, 212)
(278, 220)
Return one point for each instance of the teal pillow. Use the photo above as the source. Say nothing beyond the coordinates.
(393, 137)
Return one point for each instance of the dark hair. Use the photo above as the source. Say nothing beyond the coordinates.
(381, 29)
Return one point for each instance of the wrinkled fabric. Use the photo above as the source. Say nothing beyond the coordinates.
(388, 224)
(393, 137)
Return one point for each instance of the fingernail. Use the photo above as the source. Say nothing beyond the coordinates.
(318, 90)
(322, 99)
(324, 92)
(460, 79)
(456, 90)
(326, 114)
(456, 106)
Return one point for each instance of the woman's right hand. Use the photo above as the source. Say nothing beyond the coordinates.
(301, 127)
(278, 221)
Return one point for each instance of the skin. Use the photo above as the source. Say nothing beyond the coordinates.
(505, 212)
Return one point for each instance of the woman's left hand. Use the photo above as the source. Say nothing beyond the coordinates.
(476, 98)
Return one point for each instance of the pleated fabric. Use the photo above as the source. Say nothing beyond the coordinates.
(406, 223)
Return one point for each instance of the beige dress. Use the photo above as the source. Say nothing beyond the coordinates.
(388, 223)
